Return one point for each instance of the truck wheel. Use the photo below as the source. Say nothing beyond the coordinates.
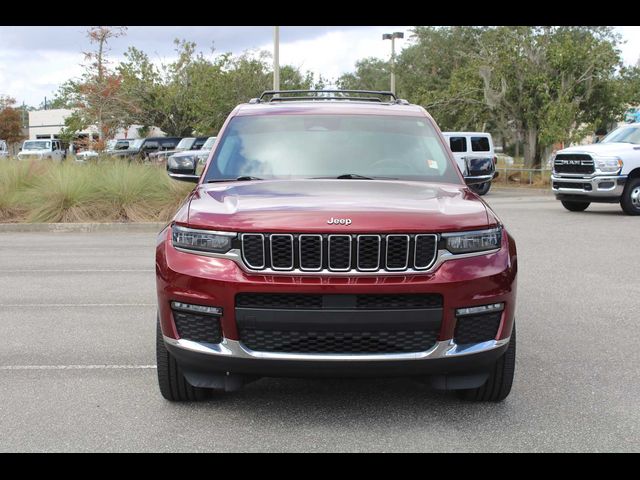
(575, 206)
(498, 385)
(630, 201)
(482, 188)
(173, 385)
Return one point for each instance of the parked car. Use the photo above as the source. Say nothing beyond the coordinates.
(334, 237)
(474, 154)
(193, 159)
(85, 155)
(119, 144)
(43, 149)
(187, 143)
(604, 172)
(4, 150)
(141, 148)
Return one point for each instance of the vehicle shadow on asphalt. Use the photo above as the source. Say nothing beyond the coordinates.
(348, 401)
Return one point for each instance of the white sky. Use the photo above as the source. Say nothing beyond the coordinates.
(36, 60)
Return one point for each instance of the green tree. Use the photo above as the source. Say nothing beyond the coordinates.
(370, 74)
(556, 83)
(540, 85)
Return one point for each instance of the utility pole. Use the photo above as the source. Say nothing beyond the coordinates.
(276, 58)
(392, 37)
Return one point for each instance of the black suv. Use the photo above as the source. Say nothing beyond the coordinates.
(142, 147)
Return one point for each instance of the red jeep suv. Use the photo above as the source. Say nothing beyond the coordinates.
(332, 234)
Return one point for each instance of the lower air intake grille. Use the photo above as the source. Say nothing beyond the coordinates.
(477, 328)
(318, 301)
(198, 328)
(338, 342)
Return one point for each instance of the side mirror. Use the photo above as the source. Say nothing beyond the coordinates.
(183, 169)
(185, 178)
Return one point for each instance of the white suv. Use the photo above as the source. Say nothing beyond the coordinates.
(50, 149)
(474, 154)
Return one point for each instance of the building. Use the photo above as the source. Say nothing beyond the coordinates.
(49, 123)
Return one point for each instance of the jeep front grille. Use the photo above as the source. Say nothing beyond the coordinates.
(338, 252)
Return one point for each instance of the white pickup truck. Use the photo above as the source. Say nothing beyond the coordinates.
(604, 172)
(50, 149)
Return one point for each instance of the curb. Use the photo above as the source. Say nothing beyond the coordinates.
(525, 190)
(82, 227)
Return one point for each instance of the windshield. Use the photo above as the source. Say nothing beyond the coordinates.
(37, 145)
(185, 143)
(623, 135)
(208, 145)
(136, 144)
(328, 146)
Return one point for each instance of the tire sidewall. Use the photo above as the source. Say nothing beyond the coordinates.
(626, 202)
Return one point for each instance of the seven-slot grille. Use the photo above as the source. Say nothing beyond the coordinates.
(338, 252)
(575, 163)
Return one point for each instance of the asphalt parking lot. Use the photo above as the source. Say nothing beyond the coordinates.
(77, 319)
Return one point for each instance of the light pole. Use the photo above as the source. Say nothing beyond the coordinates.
(276, 58)
(392, 37)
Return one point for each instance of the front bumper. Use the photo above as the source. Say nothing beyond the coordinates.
(464, 282)
(598, 186)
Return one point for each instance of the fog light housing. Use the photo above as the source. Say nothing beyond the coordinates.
(201, 309)
(494, 307)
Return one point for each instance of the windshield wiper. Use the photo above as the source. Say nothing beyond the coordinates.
(243, 178)
(354, 176)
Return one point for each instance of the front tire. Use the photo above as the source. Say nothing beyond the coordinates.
(173, 385)
(481, 189)
(575, 206)
(630, 201)
(498, 385)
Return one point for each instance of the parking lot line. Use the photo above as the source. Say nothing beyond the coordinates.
(64, 305)
(92, 270)
(76, 367)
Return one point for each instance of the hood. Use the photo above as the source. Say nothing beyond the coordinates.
(34, 152)
(604, 149)
(190, 153)
(307, 206)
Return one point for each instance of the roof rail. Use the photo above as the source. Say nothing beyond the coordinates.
(321, 95)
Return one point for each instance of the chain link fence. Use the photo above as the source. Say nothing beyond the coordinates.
(515, 176)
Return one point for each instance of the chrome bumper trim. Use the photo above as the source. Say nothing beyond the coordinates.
(442, 256)
(614, 191)
(235, 349)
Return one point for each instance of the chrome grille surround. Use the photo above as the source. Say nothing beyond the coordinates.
(339, 253)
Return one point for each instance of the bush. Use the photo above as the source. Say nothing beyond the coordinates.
(101, 191)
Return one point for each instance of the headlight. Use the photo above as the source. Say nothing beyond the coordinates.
(476, 241)
(608, 164)
(181, 163)
(202, 240)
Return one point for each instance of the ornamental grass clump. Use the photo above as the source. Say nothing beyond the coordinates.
(105, 190)
(15, 178)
